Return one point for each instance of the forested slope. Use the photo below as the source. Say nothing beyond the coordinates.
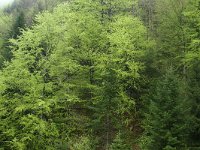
(100, 75)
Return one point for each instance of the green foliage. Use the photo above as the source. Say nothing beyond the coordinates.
(6, 21)
(191, 59)
(119, 144)
(82, 143)
(166, 121)
(192, 25)
(80, 71)
(70, 62)
(169, 33)
(19, 24)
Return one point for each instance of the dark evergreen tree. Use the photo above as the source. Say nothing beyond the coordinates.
(194, 95)
(119, 143)
(18, 25)
(166, 121)
(192, 57)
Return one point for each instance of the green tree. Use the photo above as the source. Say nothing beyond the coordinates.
(119, 144)
(191, 58)
(166, 24)
(36, 88)
(18, 25)
(191, 15)
(80, 59)
(6, 21)
(166, 121)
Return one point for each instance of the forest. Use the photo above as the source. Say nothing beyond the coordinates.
(100, 75)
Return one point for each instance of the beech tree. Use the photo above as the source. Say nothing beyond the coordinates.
(71, 62)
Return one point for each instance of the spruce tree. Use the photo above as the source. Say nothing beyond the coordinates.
(18, 25)
(119, 144)
(166, 121)
(192, 25)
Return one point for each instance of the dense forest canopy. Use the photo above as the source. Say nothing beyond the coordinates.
(100, 75)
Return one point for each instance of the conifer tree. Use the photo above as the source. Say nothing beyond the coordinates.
(166, 121)
(192, 25)
(119, 144)
(18, 25)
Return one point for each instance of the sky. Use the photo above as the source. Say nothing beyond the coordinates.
(5, 2)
